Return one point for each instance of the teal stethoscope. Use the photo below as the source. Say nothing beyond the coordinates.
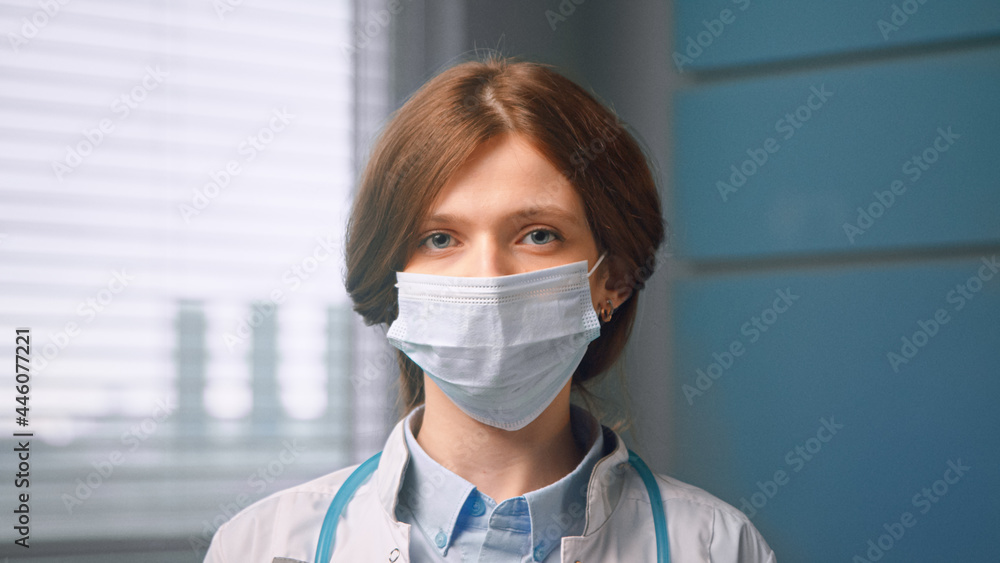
(329, 530)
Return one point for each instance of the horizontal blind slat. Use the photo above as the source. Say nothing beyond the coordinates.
(200, 89)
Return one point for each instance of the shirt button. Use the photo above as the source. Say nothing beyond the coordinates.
(440, 539)
(539, 552)
(478, 507)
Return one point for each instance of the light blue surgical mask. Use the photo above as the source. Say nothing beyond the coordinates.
(501, 348)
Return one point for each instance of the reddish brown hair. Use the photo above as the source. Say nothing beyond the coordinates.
(434, 133)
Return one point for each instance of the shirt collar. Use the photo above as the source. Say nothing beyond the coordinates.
(434, 496)
(558, 509)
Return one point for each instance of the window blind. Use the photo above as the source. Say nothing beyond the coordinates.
(174, 182)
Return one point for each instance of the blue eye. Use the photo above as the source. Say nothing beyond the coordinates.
(541, 236)
(438, 240)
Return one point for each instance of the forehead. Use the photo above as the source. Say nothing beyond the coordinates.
(507, 174)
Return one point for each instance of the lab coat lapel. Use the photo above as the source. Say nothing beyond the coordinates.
(369, 530)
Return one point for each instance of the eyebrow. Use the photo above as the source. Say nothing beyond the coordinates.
(527, 213)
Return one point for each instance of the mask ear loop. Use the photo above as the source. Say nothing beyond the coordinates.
(604, 313)
(598, 263)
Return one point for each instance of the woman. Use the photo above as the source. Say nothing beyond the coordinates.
(503, 227)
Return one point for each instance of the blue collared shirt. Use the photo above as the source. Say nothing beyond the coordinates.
(453, 522)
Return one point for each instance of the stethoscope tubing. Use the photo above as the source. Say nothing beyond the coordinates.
(327, 533)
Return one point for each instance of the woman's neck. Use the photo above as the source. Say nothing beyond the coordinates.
(502, 464)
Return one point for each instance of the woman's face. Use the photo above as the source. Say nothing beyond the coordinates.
(505, 211)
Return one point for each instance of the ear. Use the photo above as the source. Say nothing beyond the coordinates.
(618, 285)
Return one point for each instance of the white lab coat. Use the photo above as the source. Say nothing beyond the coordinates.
(284, 527)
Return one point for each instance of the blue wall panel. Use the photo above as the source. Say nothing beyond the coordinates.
(717, 33)
(821, 361)
(781, 165)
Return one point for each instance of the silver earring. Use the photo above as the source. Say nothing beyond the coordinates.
(607, 311)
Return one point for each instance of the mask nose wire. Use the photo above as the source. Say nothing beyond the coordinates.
(597, 264)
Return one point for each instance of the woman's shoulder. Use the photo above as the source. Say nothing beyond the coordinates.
(701, 516)
(289, 510)
(322, 488)
(678, 492)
